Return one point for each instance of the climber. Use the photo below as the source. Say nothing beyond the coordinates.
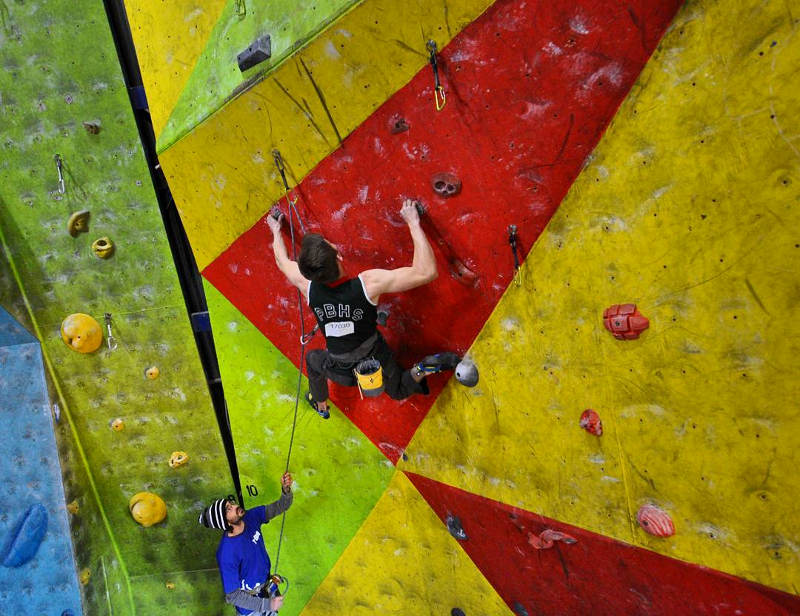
(242, 557)
(346, 311)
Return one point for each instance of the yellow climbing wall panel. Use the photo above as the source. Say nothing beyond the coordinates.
(169, 37)
(403, 561)
(222, 186)
(690, 208)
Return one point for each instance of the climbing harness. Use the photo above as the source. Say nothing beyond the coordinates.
(512, 240)
(439, 97)
(369, 377)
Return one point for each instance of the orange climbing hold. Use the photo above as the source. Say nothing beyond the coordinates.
(81, 333)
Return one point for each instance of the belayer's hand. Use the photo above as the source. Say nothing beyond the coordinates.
(409, 212)
(286, 483)
(276, 603)
(275, 224)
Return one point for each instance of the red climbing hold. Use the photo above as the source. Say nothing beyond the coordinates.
(624, 321)
(655, 521)
(446, 184)
(590, 421)
(547, 538)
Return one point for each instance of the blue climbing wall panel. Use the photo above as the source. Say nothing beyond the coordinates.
(37, 568)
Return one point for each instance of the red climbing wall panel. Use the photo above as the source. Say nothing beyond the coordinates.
(530, 89)
(595, 575)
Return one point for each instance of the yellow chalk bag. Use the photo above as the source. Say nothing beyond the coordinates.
(369, 376)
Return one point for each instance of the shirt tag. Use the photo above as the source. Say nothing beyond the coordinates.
(339, 328)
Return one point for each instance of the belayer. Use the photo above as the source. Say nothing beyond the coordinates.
(346, 312)
(242, 557)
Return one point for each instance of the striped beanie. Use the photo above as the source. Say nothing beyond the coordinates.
(213, 516)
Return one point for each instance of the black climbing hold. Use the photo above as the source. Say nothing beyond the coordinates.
(457, 611)
(455, 528)
(260, 50)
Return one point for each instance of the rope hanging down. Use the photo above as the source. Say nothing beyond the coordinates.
(292, 214)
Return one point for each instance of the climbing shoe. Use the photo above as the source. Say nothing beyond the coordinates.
(325, 414)
(433, 364)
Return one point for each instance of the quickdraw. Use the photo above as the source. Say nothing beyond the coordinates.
(439, 97)
(512, 240)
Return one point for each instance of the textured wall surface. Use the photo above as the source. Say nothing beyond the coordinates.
(305, 108)
(61, 70)
(31, 476)
(689, 208)
(686, 205)
(516, 131)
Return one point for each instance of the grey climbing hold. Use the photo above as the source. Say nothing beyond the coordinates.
(467, 373)
(519, 609)
(455, 528)
(260, 50)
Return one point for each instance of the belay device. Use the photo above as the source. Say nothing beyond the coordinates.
(369, 376)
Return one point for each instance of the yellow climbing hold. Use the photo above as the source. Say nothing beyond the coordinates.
(152, 372)
(170, 585)
(78, 223)
(147, 508)
(117, 425)
(178, 458)
(81, 333)
(73, 507)
(84, 577)
(103, 247)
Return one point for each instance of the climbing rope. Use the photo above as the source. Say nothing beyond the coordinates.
(292, 214)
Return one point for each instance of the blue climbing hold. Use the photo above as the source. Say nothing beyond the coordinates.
(25, 537)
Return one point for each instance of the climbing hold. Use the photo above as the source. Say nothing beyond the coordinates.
(397, 124)
(462, 273)
(93, 128)
(519, 609)
(147, 508)
(152, 373)
(169, 585)
(260, 50)
(383, 314)
(103, 247)
(67, 613)
(655, 521)
(81, 333)
(457, 611)
(590, 421)
(547, 538)
(454, 526)
(467, 373)
(178, 458)
(446, 184)
(78, 223)
(84, 577)
(25, 537)
(624, 321)
(73, 507)
(117, 425)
